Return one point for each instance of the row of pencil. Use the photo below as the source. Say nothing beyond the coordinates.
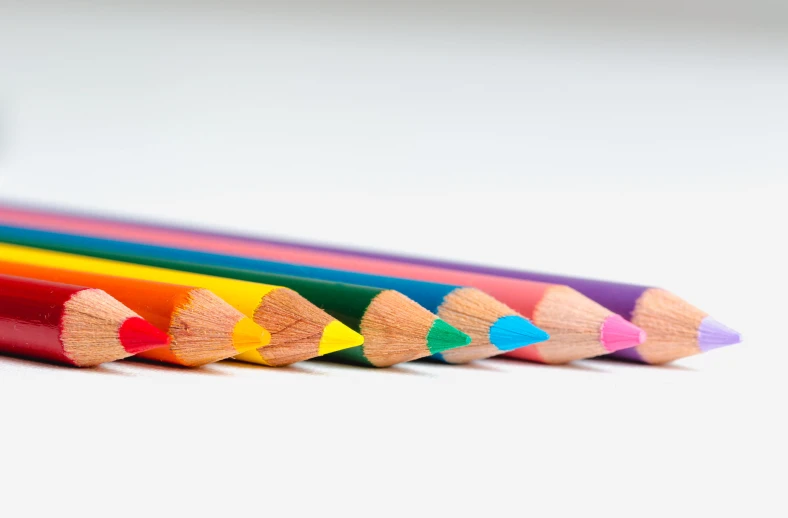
(82, 291)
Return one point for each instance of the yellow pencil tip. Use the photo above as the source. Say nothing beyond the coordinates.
(337, 336)
(248, 335)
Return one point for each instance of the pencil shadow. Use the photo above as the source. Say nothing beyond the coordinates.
(103, 369)
(396, 370)
(574, 366)
(648, 366)
(478, 365)
(150, 365)
(296, 368)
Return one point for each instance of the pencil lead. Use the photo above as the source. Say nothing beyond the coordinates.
(619, 334)
(513, 331)
(443, 337)
(337, 336)
(712, 335)
(137, 335)
(248, 335)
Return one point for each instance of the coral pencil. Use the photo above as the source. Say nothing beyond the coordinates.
(298, 329)
(395, 328)
(579, 328)
(67, 324)
(202, 327)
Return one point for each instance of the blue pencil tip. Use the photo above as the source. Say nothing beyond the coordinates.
(513, 332)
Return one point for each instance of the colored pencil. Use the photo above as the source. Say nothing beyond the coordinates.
(202, 327)
(493, 327)
(298, 329)
(395, 328)
(579, 328)
(71, 325)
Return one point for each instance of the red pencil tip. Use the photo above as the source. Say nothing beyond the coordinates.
(617, 334)
(137, 335)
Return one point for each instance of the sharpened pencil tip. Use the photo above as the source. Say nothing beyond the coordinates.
(443, 337)
(337, 337)
(712, 334)
(617, 334)
(513, 331)
(137, 335)
(248, 335)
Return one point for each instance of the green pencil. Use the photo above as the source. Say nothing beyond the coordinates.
(396, 329)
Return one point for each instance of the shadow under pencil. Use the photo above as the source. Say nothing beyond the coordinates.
(639, 365)
(400, 369)
(293, 368)
(103, 369)
(573, 366)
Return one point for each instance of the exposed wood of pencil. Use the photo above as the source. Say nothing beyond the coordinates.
(203, 330)
(473, 312)
(91, 320)
(395, 330)
(296, 327)
(574, 323)
(671, 324)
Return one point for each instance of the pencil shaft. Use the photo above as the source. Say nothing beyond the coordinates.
(30, 318)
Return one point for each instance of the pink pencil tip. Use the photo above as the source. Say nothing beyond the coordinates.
(617, 334)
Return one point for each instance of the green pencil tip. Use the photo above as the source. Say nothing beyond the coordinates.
(443, 337)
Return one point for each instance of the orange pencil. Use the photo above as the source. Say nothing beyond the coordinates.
(202, 327)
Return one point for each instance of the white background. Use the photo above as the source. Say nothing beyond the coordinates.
(641, 146)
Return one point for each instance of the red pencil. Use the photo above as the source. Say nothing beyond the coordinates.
(69, 324)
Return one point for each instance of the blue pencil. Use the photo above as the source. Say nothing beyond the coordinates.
(493, 327)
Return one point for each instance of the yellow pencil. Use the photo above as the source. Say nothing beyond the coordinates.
(299, 330)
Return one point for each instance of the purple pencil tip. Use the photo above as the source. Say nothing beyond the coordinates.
(712, 335)
(630, 354)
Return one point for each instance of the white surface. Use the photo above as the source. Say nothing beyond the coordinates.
(522, 141)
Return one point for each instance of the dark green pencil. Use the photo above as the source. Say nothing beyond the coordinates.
(395, 328)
